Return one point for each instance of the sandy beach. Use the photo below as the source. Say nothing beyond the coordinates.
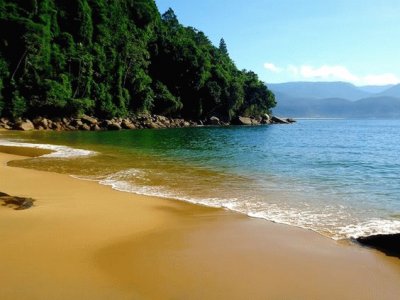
(82, 240)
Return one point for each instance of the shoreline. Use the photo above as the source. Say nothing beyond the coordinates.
(82, 239)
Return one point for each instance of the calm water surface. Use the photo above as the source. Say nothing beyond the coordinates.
(340, 178)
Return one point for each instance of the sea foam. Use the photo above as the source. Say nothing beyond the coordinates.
(58, 151)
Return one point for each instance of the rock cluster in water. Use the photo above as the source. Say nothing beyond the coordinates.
(88, 123)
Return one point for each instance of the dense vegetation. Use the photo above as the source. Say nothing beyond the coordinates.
(113, 58)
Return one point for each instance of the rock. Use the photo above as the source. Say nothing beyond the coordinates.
(84, 127)
(277, 120)
(113, 126)
(18, 203)
(162, 119)
(56, 126)
(127, 124)
(95, 127)
(41, 123)
(152, 125)
(213, 121)
(387, 243)
(266, 118)
(5, 123)
(88, 120)
(242, 121)
(24, 125)
(76, 123)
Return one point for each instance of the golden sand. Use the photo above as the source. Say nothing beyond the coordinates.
(82, 240)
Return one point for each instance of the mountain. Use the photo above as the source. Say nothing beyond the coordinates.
(375, 89)
(394, 91)
(320, 90)
(374, 105)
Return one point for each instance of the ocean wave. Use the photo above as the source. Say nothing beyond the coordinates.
(58, 151)
(370, 228)
(328, 222)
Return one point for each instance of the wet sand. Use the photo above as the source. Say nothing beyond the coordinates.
(82, 240)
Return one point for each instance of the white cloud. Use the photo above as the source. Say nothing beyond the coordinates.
(332, 73)
(380, 79)
(326, 72)
(271, 67)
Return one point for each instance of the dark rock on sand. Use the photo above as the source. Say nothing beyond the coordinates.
(387, 243)
(19, 203)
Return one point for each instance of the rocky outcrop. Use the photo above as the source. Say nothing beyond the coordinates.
(18, 203)
(86, 123)
(387, 243)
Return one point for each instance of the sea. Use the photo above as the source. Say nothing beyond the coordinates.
(340, 178)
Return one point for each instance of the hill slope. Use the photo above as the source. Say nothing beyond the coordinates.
(114, 58)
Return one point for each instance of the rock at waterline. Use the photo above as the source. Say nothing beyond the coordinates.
(387, 243)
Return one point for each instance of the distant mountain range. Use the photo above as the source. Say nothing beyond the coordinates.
(336, 100)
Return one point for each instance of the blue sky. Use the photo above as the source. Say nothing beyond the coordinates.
(303, 40)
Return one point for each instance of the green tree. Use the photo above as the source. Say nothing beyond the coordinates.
(222, 47)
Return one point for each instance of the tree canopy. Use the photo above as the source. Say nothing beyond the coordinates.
(114, 58)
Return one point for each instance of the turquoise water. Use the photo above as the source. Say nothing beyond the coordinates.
(340, 178)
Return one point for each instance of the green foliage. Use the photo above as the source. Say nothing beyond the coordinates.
(222, 47)
(113, 58)
(17, 105)
(78, 107)
(165, 103)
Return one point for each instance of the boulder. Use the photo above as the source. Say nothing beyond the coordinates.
(41, 123)
(95, 127)
(387, 243)
(242, 121)
(213, 121)
(84, 127)
(277, 120)
(113, 126)
(152, 125)
(127, 124)
(18, 203)
(88, 120)
(56, 126)
(76, 123)
(290, 120)
(24, 125)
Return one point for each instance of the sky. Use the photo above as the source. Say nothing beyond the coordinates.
(356, 41)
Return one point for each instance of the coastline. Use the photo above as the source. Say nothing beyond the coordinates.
(84, 240)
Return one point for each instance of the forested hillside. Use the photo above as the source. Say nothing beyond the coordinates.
(114, 58)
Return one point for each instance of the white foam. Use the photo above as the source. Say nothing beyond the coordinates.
(117, 182)
(58, 150)
(328, 222)
(371, 227)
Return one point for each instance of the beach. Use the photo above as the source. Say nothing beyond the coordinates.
(82, 240)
